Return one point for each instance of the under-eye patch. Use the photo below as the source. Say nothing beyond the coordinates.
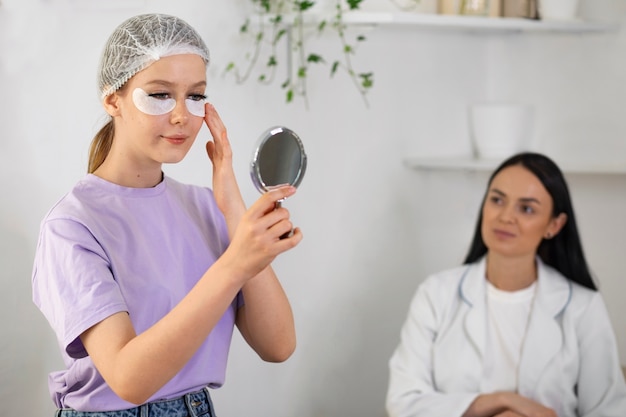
(195, 107)
(155, 106)
(152, 105)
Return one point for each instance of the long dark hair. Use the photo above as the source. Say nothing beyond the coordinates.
(564, 251)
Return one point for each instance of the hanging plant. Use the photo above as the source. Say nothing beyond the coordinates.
(289, 21)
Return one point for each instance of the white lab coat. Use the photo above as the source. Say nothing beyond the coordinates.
(569, 360)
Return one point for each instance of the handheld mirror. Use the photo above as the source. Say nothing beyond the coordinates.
(278, 159)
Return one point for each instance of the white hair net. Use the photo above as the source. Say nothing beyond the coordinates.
(140, 41)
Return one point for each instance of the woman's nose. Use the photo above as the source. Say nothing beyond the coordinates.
(507, 214)
(180, 114)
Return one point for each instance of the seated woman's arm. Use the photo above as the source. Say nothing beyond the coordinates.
(412, 391)
(601, 387)
(506, 404)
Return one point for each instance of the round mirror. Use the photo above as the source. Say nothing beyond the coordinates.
(279, 159)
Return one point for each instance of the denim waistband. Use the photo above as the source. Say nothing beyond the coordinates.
(194, 404)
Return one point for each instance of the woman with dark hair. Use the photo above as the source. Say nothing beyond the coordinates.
(564, 251)
(518, 330)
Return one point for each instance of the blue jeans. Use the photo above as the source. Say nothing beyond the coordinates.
(194, 404)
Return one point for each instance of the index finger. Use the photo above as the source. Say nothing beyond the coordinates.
(268, 200)
(281, 192)
(214, 122)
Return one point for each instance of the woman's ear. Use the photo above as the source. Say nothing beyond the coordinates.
(111, 104)
(555, 226)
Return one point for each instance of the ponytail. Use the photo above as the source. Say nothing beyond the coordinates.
(100, 146)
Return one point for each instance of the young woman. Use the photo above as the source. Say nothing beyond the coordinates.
(519, 329)
(142, 277)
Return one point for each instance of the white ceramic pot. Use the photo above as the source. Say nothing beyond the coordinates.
(558, 9)
(500, 130)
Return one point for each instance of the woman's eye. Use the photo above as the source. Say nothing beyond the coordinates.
(159, 96)
(197, 97)
(495, 200)
(527, 209)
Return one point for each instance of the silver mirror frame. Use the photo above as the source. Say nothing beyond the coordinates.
(255, 166)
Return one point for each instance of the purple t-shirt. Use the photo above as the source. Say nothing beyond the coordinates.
(104, 249)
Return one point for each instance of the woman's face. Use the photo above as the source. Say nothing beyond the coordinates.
(517, 213)
(159, 111)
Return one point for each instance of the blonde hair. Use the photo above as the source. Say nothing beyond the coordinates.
(100, 146)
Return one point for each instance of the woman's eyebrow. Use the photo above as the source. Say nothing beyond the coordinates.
(522, 199)
(171, 84)
(530, 200)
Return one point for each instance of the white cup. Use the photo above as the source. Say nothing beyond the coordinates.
(500, 130)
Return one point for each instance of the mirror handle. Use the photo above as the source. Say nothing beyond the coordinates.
(285, 235)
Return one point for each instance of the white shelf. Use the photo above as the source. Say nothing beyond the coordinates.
(478, 165)
(457, 23)
(475, 23)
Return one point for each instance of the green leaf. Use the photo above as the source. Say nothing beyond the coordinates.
(302, 72)
(353, 4)
(366, 79)
(262, 77)
(314, 58)
(230, 66)
(304, 5)
(271, 62)
(245, 26)
(347, 49)
(360, 38)
(321, 26)
(334, 68)
(285, 84)
(266, 5)
(275, 20)
(289, 96)
(279, 35)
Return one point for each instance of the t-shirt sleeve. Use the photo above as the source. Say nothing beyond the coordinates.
(73, 285)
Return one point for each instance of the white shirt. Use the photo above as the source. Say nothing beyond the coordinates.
(507, 323)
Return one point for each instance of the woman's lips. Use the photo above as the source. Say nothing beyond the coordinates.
(503, 234)
(176, 140)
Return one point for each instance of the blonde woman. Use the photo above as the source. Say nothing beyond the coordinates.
(143, 278)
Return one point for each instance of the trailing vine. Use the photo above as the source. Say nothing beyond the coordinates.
(275, 22)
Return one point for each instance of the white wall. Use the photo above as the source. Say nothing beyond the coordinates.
(373, 228)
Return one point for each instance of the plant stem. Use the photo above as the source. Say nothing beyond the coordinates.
(347, 51)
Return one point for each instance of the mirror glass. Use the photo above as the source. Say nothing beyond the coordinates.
(278, 159)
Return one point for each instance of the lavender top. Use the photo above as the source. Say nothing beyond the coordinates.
(103, 249)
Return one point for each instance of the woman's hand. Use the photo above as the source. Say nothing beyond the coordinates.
(256, 241)
(507, 404)
(225, 187)
(527, 407)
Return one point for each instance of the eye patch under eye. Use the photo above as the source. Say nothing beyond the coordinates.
(195, 107)
(157, 107)
(152, 105)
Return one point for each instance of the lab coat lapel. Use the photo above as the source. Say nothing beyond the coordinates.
(544, 337)
(472, 290)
